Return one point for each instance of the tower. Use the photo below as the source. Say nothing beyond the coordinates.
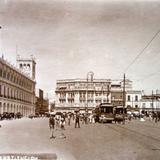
(27, 65)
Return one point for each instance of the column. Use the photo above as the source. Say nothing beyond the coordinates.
(0, 108)
(94, 99)
(76, 99)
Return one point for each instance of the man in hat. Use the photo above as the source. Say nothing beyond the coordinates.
(77, 120)
(52, 125)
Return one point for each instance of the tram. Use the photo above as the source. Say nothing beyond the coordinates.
(108, 113)
(120, 113)
(105, 112)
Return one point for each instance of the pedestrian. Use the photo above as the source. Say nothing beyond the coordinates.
(156, 117)
(52, 125)
(57, 122)
(86, 119)
(62, 125)
(129, 117)
(62, 122)
(150, 116)
(93, 119)
(77, 121)
(69, 119)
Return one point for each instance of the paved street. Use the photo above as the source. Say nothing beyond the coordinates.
(135, 140)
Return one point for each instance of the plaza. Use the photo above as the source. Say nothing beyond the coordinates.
(135, 140)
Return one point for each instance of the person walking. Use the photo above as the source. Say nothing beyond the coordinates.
(52, 126)
(77, 121)
(62, 125)
(156, 117)
(69, 119)
(62, 122)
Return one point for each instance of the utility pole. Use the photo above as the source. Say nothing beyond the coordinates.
(152, 101)
(124, 99)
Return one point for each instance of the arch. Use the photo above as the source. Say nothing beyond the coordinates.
(28, 66)
(14, 108)
(17, 108)
(4, 107)
(0, 107)
(8, 109)
(11, 106)
(8, 94)
(20, 65)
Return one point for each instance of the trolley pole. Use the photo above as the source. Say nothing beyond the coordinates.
(124, 99)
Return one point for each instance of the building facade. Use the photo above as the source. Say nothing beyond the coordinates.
(133, 98)
(150, 102)
(42, 104)
(17, 90)
(86, 94)
(81, 94)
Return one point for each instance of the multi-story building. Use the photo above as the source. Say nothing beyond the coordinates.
(117, 97)
(81, 93)
(133, 98)
(88, 93)
(17, 90)
(150, 102)
(42, 104)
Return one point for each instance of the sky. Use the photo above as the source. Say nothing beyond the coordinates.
(69, 38)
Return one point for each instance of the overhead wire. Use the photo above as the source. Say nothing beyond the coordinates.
(141, 52)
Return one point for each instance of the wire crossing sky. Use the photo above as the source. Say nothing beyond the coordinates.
(134, 60)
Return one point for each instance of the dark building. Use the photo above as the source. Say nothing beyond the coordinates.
(42, 104)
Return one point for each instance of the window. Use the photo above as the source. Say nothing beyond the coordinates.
(0, 90)
(0, 72)
(129, 98)
(136, 98)
(143, 105)
(28, 66)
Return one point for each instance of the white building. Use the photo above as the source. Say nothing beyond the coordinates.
(85, 94)
(150, 103)
(133, 98)
(81, 93)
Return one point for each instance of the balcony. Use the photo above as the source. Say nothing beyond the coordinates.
(90, 98)
(62, 98)
(70, 98)
(82, 98)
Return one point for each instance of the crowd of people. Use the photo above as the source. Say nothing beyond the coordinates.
(60, 120)
(57, 122)
(153, 116)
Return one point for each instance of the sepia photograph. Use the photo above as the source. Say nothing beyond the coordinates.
(79, 79)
